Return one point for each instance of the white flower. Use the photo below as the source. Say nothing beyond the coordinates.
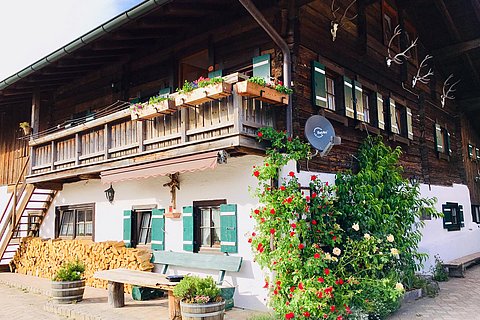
(394, 251)
(390, 238)
(366, 236)
(399, 286)
(355, 227)
(328, 256)
(337, 251)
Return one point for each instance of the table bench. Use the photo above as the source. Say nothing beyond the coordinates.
(118, 277)
(456, 267)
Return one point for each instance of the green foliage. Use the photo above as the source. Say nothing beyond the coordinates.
(70, 271)
(200, 83)
(157, 99)
(337, 251)
(278, 86)
(438, 271)
(262, 317)
(24, 125)
(193, 289)
(428, 285)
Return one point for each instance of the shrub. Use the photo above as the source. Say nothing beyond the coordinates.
(70, 271)
(193, 289)
(438, 271)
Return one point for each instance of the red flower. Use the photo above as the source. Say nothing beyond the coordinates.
(319, 294)
(259, 134)
(347, 308)
(313, 178)
(290, 315)
(332, 309)
(256, 211)
(306, 314)
(249, 240)
(293, 225)
(279, 283)
(275, 292)
(292, 289)
(292, 234)
(326, 271)
(289, 138)
(340, 317)
(272, 211)
(301, 246)
(266, 285)
(260, 247)
(253, 234)
(334, 238)
(262, 220)
(300, 286)
(287, 303)
(282, 188)
(256, 173)
(316, 255)
(321, 280)
(314, 222)
(314, 195)
(326, 183)
(340, 281)
(289, 199)
(291, 174)
(307, 198)
(272, 231)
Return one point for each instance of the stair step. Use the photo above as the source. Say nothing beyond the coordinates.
(37, 200)
(44, 192)
(38, 209)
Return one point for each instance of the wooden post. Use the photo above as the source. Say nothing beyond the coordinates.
(116, 297)
(141, 136)
(173, 307)
(183, 124)
(35, 112)
(54, 151)
(237, 112)
(106, 140)
(78, 149)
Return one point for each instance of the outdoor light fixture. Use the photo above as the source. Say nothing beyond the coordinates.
(110, 194)
(413, 180)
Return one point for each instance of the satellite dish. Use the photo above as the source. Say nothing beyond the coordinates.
(321, 135)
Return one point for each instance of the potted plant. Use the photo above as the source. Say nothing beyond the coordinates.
(25, 126)
(68, 283)
(201, 91)
(199, 297)
(151, 109)
(269, 92)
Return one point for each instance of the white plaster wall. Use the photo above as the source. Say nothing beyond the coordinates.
(230, 182)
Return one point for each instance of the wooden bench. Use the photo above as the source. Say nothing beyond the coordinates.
(456, 267)
(118, 277)
(221, 263)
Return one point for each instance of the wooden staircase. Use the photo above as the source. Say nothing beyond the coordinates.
(22, 216)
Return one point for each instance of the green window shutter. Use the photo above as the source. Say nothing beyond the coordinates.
(359, 112)
(470, 151)
(215, 74)
(158, 229)
(438, 138)
(477, 153)
(380, 115)
(461, 219)
(409, 124)
(188, 228)
(348, 96)
(228, 228)
(127, 228)
(447, 216)
(319, 85)
(393, 117)
(164, 92)
(261, 67)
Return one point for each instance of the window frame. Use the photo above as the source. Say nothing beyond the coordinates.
(389, 11)
(366, 98)
(476, 213)
(137, 214)
(445, 142)
(459, 222)
(59, 215)
(197, 235)
(331, 96)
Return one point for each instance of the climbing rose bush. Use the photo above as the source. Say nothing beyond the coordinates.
(321, 267)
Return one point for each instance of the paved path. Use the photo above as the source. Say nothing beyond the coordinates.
(16, 304)
(459, 299)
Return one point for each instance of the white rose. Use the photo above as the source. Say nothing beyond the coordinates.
(399, 286)
(337, 251)
(355, 227)
(366, 236)
(390, 238)
(394, 251)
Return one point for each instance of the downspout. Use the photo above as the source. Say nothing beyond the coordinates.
(280, 42)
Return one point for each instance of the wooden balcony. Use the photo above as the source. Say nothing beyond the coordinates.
(83, 151)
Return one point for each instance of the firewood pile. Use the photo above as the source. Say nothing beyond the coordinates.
(42, 258)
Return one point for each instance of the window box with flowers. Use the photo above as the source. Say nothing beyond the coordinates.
(153, 108)
(201, 91)
(258, 88)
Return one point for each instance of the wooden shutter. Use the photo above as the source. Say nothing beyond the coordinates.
(319, 85)
(477, 153)
(359, 109)
(348, 97)
(409, 124)
(261, 67)
(380, 115)
(188, 228)
(164, 92)
(461, 219)
(438, 138)
(393, 117)
(215, 74)
(228, 228)
(447, 216)
(448, 146)
(470, 151)
(127, 228)
(158, 229)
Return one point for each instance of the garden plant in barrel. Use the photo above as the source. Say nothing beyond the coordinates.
(68, 284)
(199, 298)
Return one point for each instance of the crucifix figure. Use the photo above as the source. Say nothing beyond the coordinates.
(174, 184)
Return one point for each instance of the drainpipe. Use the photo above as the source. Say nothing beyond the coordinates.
(279, 41)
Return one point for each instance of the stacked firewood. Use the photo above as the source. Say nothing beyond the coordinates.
(42, 258)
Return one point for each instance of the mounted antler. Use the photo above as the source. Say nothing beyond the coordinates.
(397, 58)
(419, 78)
(338, 23)
(448, 95)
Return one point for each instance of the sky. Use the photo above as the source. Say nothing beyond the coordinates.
(32, 29)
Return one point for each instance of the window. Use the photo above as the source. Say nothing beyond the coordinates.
(74, 221)
(207, 225)
(442, 142)
(390, 21)
(194, 66)
(143, 226)
(330, 93)
(476, 213)
(399, 120)
(366, 106)
(452, 216)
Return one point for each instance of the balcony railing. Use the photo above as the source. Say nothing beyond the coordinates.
(116, 136)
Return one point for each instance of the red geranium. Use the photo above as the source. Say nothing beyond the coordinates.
(256, 173)
(290, 315)
(291, 174)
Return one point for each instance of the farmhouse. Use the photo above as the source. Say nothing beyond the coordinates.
(111, 151)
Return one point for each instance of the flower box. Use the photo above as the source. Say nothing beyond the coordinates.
(265, 94)
(202, 95)
(149, 111)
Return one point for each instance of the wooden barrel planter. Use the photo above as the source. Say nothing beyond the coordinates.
(202, 311)
(68, 291)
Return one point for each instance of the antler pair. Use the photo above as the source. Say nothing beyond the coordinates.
(448, 94)
(419, 78)
(338, 23)
(398, 57)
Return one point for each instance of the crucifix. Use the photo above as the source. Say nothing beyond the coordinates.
(174, 184)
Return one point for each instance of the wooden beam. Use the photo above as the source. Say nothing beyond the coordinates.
(456, 49)
(49, 185)
(35, 120)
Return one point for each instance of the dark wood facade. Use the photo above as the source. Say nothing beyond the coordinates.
(156, 51)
